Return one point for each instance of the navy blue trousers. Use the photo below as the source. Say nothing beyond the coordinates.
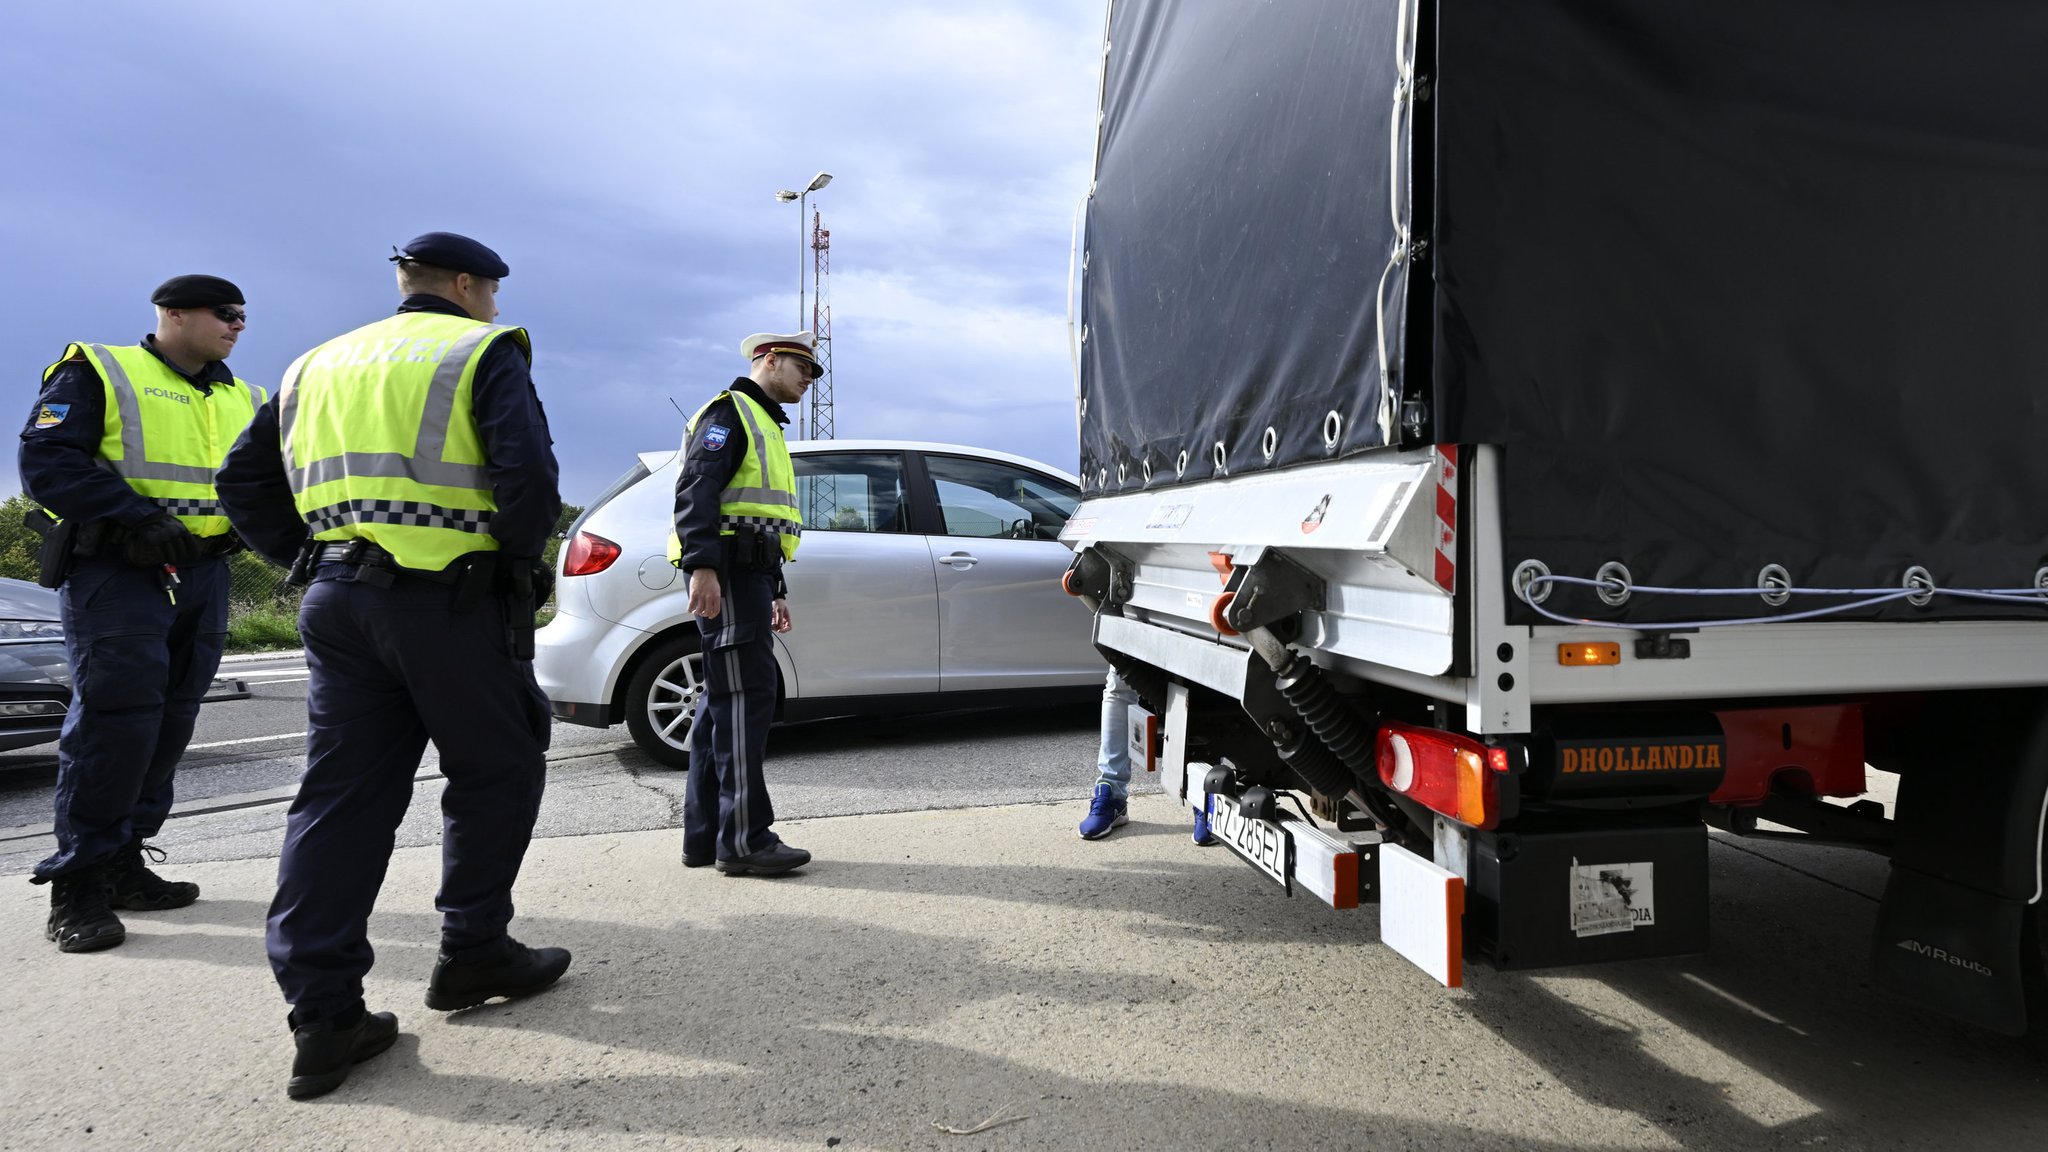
(139, 667)
(726, 811)
(393, 668)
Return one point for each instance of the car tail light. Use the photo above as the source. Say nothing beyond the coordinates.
(1444, 772)
(588, 555)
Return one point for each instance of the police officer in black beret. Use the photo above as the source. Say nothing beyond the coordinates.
(120, 451)
(406, 470)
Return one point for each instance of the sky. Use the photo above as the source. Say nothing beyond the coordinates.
(623, 159)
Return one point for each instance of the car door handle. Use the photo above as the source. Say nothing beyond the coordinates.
(960, 560)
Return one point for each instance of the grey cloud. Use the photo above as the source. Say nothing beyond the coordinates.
(623, 162)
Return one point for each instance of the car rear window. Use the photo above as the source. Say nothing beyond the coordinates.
(633, 475)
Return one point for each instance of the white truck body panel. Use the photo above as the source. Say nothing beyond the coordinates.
(1386, 620)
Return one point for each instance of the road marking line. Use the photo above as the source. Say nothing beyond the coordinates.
(246, 740)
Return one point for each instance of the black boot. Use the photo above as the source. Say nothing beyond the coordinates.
(328, 1048)
(130, 883)
(506, 968)
(79, 919)
(773, 860)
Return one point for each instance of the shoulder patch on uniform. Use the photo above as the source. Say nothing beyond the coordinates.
(715, 437)
(51, 415)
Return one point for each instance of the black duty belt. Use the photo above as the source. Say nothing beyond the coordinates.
(368, 555)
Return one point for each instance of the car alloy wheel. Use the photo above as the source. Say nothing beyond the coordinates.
(662, 697)
(673, 700)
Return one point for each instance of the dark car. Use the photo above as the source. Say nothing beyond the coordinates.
(35, 677)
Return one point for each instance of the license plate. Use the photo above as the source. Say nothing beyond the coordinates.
(1262, 844)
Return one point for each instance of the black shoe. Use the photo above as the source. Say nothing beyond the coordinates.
(692, 861)
(79, 918)
(770, 861)
(506, 968)
(326, 1052)
(130, 883)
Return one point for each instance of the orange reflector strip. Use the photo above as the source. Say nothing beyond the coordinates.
(1471, 789)
(1588, 655)
(1344, 880)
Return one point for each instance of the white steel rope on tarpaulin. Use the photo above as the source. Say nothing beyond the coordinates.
(2036, 597)
(1404, 91)
(1866, 598)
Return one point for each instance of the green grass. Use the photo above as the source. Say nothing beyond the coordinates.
(271, 629)
(262, 629)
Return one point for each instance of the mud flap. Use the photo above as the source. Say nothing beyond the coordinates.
(1953, 949)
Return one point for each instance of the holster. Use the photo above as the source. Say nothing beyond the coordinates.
(515, 584)
(301, 573)
(754, 549)
(56, 554)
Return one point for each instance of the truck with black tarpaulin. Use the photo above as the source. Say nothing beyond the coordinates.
(1519, 436)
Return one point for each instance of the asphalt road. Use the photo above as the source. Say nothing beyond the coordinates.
(246, 755)
(1182, 1000)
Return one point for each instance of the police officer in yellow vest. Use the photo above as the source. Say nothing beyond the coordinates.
(736, 521)
(406, 470)
(120, 450)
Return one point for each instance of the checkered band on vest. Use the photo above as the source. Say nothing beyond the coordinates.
(186, 506)
(411, 513)
(772, 523)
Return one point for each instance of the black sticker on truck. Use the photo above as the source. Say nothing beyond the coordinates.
(1608, 898)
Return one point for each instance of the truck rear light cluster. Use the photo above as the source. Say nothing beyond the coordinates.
(1444, 772)
(588, 555)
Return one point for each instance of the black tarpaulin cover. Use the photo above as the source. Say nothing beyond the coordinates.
(1750, 282)
(1733, 282)
(1241, 198)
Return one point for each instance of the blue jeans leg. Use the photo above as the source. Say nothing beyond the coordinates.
(1113, 759)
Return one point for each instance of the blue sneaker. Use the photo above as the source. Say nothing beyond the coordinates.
(1106, 810)
(1203, 837)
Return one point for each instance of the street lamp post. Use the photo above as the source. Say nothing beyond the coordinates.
(802, 223)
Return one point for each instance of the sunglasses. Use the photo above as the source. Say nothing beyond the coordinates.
(230, 315)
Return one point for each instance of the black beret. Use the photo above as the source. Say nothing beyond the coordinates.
(195, 292)
(453, 252)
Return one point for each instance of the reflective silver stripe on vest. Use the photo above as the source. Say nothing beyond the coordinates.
(136, 464)
(745, 408)
(408, 513)
(742, 405)
(757, 496)
(425, 465)
(774, 523)
(392, 466)
(179, 506)
(288, 405)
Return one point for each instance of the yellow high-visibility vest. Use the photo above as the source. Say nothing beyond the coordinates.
(763, 491)
(164, 435)
(380, 438)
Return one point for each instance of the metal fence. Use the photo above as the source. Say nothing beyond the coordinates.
(262, 609)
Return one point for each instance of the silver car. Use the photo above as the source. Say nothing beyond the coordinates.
(928, 578)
